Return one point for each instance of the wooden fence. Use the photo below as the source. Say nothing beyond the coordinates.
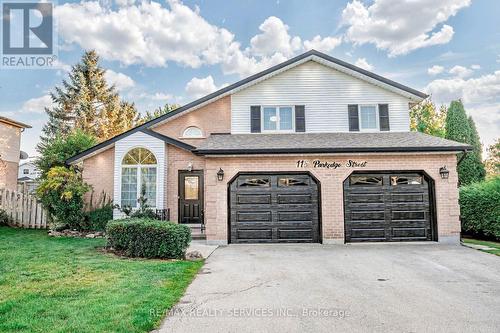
(24, 209)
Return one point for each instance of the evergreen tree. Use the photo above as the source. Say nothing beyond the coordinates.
(478, 172)
(459, 129)
(425, 118)
(86, 102)
(159, 112)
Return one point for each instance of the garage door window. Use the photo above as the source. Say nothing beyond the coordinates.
(365, 181)
(406, 180)
(290, 181)
(254, 182)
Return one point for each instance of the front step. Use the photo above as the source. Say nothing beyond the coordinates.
(196, 231)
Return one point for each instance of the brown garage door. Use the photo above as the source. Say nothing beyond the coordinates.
(388, 207)
(274, 208)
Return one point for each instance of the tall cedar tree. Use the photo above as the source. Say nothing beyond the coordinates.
(459, 129)
(425, 118)
(86, 102)
(477, 152)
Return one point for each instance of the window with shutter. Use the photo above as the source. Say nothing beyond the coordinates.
(352, 110)
(383, 112)
(255, 119)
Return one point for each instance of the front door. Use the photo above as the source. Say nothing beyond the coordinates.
(191, 196)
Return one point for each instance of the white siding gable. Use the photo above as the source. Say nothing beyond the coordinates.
(324, 91)
(157, 147)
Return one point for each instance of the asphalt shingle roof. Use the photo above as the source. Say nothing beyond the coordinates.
(325, 143)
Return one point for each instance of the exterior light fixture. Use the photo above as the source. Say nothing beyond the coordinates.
(444, 172)
(220, 174)
(190, 166)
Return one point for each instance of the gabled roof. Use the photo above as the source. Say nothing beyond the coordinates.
(253, 79)
(13, 122)
(348, 142)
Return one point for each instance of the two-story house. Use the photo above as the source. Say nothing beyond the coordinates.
(10, 153)
(311, 150)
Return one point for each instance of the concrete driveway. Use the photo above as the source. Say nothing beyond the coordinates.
(352, 288)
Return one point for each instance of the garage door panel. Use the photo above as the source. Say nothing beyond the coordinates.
(254, 216)
(248, 199)
(274, 208)
(393, 207)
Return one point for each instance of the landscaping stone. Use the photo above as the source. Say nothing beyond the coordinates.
(194, 255)
(76, 234)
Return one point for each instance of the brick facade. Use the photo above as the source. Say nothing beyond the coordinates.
(98, 171)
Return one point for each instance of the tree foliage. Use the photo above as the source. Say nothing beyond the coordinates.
(459, 128)
(58, 150)
(493, 161)
(61, 193)
(87, 102)
(426, 118)
(160, 111)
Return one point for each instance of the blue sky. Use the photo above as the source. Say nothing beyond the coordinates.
(173, 51)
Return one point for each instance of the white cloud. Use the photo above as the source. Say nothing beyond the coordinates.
(461, 71)
(475, 67)
(149, 34)
(435, 70)
(119, 80)
(199, 87)
(322, 44)
(400, 26)
(274, 38)
(481, 97)
(37, 104)
(158, 96)
(361, 62)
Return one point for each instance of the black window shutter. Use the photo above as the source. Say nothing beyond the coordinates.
(255, 119)
(383, 114)
(353, 117)
(300, 118)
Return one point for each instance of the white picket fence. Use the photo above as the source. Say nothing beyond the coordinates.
(24, 209)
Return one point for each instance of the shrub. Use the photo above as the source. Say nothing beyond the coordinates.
(480, 208)
(61, 193)
(98, 218)
(4, 218)
(148, 238)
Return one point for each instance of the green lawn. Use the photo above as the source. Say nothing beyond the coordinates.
(494, 245)
(68, 285)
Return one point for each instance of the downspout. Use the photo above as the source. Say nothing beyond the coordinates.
(462, 157)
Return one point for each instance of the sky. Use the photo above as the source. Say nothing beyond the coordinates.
(176, 51)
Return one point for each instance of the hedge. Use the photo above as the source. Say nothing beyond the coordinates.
(480, 208)
(148, 238)
(97, 219)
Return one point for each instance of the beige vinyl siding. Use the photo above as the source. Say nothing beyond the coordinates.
(324, 91)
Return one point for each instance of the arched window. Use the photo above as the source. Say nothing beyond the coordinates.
(192, 132)
(138, 177)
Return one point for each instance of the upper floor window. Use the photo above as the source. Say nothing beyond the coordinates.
(278, 118)
(192, 132)
(26, 171)
(368, 117)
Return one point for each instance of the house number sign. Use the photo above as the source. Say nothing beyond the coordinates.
(330, 164)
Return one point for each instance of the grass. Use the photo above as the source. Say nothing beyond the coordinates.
(67, 285)
(494, 245)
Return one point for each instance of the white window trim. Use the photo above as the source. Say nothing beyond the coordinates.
(139, 182)
(183, 136)
(377, 119)
(277, 130)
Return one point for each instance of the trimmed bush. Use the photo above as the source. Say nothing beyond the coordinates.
(97, 219)
(148, 238)
(480, 208)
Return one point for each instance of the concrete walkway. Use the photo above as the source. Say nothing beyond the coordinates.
(353, 288)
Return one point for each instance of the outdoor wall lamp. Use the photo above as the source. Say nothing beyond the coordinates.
(220, 174)
(444, 172)
(190, 166)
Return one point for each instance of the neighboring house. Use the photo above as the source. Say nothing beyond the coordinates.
(27, 177)
(311, 150)
(10, 153)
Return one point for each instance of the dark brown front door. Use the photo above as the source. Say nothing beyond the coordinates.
(191, 196)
